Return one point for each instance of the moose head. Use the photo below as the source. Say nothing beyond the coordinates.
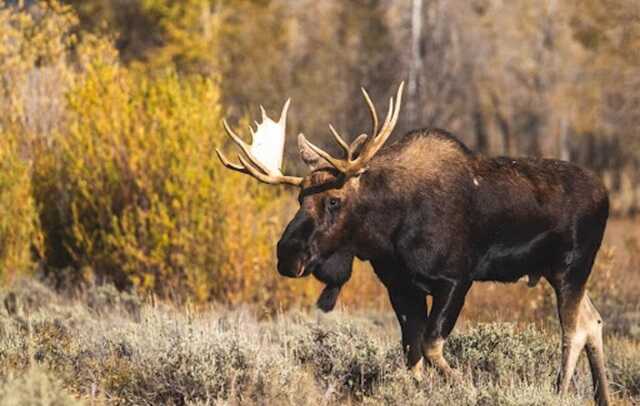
(320, 235)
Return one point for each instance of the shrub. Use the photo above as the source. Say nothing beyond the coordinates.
(173, 355)
(18, 216)
(125, 178)
(35, 387)
(133, 193)
(129, 190)
(624, 365)
(499, 351)
(34, 72)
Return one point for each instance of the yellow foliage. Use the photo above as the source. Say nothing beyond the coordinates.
(134, 180)
(18, 215)
(123, 169)
(32, 42)
(133, 192)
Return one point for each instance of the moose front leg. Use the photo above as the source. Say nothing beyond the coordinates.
(447, 303)
(410, 307)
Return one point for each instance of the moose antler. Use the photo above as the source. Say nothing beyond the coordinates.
(370, 144)
(262, 159)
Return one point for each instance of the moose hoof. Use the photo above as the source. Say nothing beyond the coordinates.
(453, 375)
(450, 374)
(418, 371)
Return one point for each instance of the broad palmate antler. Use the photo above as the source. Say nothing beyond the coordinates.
(263, 159)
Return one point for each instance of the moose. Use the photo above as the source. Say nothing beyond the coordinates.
(432, 217)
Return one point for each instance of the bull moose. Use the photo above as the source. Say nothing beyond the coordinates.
(432, 217)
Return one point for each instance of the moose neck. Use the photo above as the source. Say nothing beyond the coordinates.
(404, 185)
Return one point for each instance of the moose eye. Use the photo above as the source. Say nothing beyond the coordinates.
(334, 203)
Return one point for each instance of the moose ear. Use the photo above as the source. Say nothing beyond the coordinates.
(309, 156)
(356, 145)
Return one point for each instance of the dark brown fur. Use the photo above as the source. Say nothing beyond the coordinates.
(432, 217)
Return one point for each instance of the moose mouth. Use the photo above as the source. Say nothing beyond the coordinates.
(301, 269)
(306, 266)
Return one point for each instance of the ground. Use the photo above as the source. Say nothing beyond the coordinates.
(107, 347)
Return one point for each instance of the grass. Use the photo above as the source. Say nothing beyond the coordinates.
(107, 347)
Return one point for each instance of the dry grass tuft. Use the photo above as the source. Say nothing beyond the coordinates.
(109, 347)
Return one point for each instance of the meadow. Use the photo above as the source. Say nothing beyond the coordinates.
(135, 269)
(104, 346)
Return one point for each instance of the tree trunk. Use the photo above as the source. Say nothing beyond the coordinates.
(415, 65)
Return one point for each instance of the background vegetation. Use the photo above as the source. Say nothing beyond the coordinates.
(111, 195)
(110, 112)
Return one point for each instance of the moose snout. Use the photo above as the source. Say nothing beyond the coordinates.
(292, 259)
(293, 247)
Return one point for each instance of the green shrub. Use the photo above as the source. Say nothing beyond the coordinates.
(500, 351)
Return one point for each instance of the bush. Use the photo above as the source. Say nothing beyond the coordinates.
(35, 387)
(128, 191)
(173, 355)
(34, 69)
(133, 193)
(18, 216)
(500, 351)
(624, 365)
(138, 176)
(125, 178)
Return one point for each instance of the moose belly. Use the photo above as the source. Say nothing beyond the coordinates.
(509, 261)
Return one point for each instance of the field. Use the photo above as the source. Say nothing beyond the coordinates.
(136, 269)
(107, 347)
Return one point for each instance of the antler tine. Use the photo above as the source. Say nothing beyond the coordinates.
(370, 144)
(269, 178)
(244, 147)
(388, 128)
(340, 141)
(339, 164)
(373, 144)
(285, 110)
(387, 119)
(372, 109)
(357, 143)
(230, 165)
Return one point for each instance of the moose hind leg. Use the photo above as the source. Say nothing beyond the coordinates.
(595, 353)
(581, 327)
(573, 335)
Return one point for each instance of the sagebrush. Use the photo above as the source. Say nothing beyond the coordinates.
(108, 348)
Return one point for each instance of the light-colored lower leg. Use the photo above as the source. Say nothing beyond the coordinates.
(572, 344)
(574, 337)
(417, 369)
(595, 353)
(582, 327)
(433, 352)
